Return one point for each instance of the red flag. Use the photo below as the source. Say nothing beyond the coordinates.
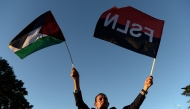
(130, 28)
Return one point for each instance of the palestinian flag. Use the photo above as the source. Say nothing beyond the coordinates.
(131, 29)
(40, 33)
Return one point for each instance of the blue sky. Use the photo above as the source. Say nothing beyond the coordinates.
(103, 67)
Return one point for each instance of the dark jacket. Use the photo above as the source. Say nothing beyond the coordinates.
(134, 105)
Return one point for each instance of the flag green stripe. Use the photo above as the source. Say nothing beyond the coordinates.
(37, 45)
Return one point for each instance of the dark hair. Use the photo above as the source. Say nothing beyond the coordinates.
(110, 108)
(101, 94)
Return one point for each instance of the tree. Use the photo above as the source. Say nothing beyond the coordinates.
(186, 92)
(12, 92)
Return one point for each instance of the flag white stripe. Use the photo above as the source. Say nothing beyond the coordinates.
(13, 48)
(33, 36)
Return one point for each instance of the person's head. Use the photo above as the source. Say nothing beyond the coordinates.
(101, 101)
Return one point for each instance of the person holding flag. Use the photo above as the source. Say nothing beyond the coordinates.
(101, 100)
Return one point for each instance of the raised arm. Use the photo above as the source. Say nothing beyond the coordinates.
(140, 98)
(77, 92)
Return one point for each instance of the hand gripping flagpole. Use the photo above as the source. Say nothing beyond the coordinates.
(152, 66)
(69, 54)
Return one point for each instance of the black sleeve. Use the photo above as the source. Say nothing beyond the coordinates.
(136, 103)
(79, 101)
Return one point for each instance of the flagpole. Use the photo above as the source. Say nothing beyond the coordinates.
(69, 54)
(152, 66)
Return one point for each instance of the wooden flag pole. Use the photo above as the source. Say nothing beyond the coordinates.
(69, 54)
(152, 66)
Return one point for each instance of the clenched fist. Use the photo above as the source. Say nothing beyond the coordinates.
(74, 74)
(148, 82)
